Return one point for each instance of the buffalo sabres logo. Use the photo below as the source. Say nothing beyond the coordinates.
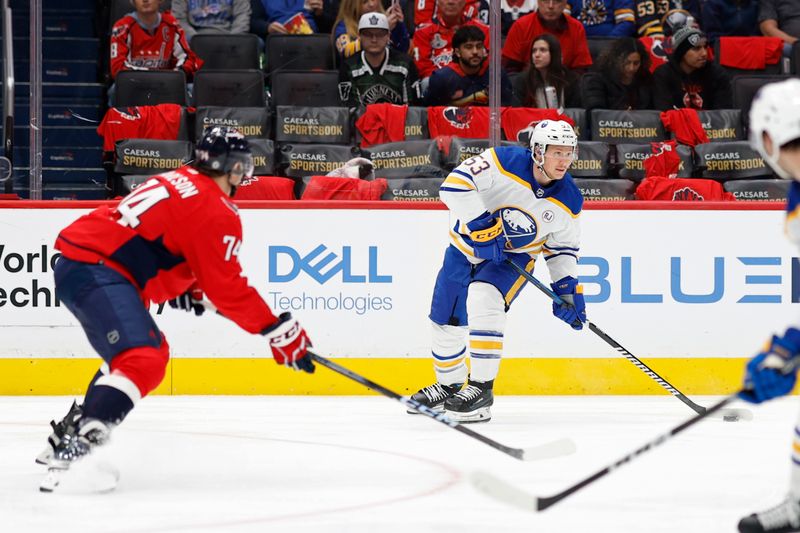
(520, 227)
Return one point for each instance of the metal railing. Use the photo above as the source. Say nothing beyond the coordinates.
(8, 91)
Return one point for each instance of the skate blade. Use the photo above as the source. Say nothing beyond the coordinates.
(83, 477)
(44, 457)
(473, 417)
(439, 409)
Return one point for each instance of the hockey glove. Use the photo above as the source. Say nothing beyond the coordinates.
(488, 238)
(573, 309)
(773, 372)
(289, 343)
(191, 300)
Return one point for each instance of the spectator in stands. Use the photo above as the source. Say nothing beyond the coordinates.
(621, 78)
(601, 18)
(465, 81)
(149, 40)
(379, 74)
(652, 15)
(433, 42)
(659, 46)
(427, 10)
(780, 18)
(546, 70)
(345, 31)
(549, 18)
(689, 79)
(730, 18)
(284, 16)
(212, 16)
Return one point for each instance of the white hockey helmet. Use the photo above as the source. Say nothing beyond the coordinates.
(548, 132)
(775, 111)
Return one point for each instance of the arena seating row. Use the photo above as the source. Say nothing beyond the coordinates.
(336, 125)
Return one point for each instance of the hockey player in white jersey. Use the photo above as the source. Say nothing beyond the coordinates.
(775, 133)
(506, 203)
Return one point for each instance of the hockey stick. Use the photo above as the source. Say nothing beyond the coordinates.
(503, 491)
(729, 415)
(544, 451)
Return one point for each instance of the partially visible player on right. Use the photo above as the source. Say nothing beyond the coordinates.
(775, 133)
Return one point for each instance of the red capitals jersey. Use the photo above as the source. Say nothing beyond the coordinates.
(162, 121)
(176, 229)
(425, 11)
(470, 122)
(134, 48)
(433, 45)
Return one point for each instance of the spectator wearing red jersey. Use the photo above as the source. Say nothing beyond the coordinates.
(427, 10)
(432, 43)
(549, 18)
(149, 40)
(546, 70)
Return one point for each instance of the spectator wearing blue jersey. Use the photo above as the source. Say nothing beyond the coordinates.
(465, 81)
(281, 16)
(601, 18)
(212, 16)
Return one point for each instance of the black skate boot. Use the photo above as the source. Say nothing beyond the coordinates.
(77, 441)
(433, 396)
(59, 428)
(471, 404)
(783, 518)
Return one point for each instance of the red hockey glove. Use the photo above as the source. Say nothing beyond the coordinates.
(289, 343)
(191, 300)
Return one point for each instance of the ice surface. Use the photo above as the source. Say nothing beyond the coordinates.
(361, 465)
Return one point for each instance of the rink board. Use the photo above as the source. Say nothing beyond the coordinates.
(693, 292)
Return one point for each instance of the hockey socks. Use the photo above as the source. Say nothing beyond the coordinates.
(111, 398)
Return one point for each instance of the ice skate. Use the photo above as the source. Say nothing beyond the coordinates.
(783, 518)
(471, 404)
(59, 428)
(433, 396)
(77, 441)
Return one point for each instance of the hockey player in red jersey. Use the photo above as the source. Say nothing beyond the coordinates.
(174, 238)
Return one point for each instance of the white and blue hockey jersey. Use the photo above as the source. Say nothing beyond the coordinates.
(535, 219)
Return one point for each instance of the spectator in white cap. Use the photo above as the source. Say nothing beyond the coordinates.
(345, 30)
(379, 74)
(689, 79)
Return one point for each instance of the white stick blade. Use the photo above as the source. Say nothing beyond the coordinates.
(550, 450)
(502, 491)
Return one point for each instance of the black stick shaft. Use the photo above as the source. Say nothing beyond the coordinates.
(517, 453)
(614, 344)
(545, 502)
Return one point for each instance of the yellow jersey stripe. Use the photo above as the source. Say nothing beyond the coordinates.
(453, 180)
(509, 174)
(562, 206)
(512, 292)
